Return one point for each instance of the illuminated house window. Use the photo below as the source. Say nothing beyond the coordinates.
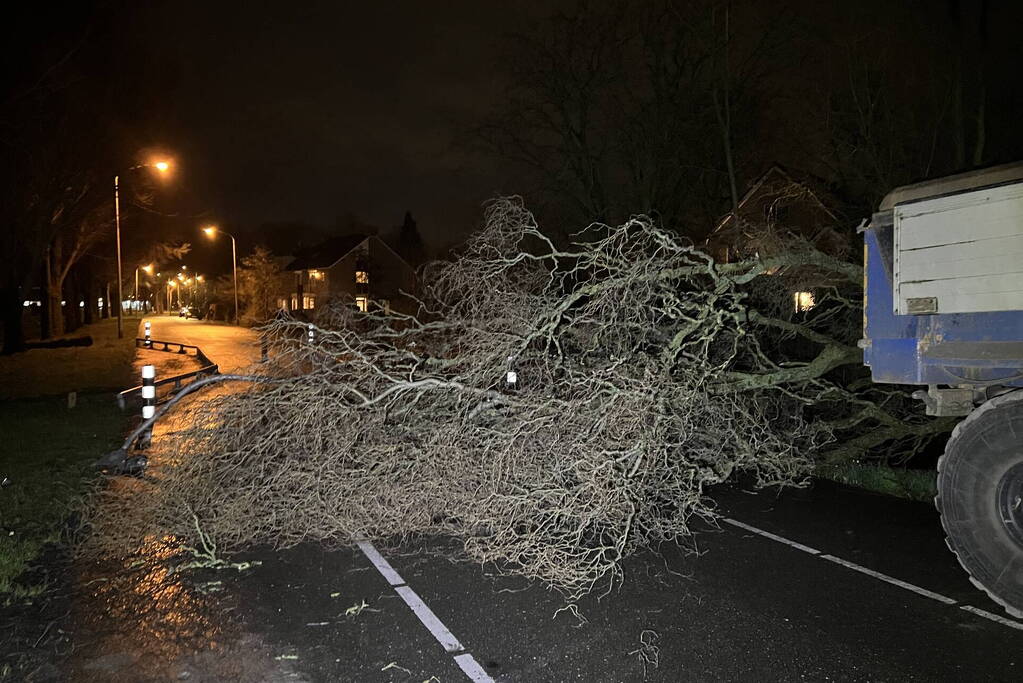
(361, 277)
(308, 301)
(803, 301)
(315, 275)
(362, 302)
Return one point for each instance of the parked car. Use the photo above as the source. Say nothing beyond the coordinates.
(189, 312)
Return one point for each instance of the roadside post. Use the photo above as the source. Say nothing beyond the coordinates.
(149, 329)
(148, 404)
(511, 377)
(311, 333)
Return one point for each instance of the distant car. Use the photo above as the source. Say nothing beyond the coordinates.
(189, 312)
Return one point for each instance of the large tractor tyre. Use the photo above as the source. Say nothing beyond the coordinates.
(980, 498)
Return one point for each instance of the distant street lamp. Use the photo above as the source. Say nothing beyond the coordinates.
(211, 231)
(162, 167)
(149, 270)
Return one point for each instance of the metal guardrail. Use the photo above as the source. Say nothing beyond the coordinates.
(168, 346)
(208, 367)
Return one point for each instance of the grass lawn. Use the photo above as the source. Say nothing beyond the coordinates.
(47, 449)
(47, 372)
(46, 455)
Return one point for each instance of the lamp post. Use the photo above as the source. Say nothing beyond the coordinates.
(149, 270)
(162, 167)
(210, 232)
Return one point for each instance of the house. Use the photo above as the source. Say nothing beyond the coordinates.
(360, 269)
(776, 211)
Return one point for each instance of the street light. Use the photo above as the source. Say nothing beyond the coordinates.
(162, 167)
(211, 231)
(149, 271)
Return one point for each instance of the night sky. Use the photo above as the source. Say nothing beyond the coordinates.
(311, 111)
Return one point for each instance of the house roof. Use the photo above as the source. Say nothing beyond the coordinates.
(326, 253)
(329, 252)
(775, 173)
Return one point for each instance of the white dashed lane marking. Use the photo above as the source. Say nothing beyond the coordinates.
(773, 537)
(1011, 623)
(434, 625)
(466, 662)
(382, 565)
(890, 579)
(993, 617)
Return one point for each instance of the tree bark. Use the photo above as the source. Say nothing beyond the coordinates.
(89, 293)
(72, 310)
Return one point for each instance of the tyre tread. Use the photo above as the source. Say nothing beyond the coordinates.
(957, 433)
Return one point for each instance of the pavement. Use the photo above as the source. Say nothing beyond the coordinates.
(825, 583)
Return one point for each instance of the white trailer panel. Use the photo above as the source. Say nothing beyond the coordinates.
(961, 253)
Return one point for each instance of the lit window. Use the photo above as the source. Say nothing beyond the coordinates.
(361, 277)
(362, 302)
(308, 301)
(803, 301)
(315, 275)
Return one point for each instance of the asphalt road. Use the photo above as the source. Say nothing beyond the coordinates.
(820, 584)
(229, 346)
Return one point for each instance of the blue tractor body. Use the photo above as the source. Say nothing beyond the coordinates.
(942, 348)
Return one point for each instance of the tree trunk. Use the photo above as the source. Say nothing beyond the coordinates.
(14, 333)
(89, 312)
(56, 314)
(73, 309)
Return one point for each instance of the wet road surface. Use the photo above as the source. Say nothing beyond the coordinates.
(232, 348)
(801, 605)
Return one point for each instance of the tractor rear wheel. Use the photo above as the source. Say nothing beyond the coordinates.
(980, 498)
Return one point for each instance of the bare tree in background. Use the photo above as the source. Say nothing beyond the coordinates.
(624, 108)
(258, 284)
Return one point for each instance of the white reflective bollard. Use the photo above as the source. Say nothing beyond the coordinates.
(148, 403)
(511, 378)
(149, 326)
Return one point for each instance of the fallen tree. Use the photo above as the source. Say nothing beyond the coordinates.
(645, 372)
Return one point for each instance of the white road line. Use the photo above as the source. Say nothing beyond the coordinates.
(466, 662)
(473, 669)
(382, 565)
(993, 617)
(430, 620)
(877, 575)
(890, 579)
(773, 537)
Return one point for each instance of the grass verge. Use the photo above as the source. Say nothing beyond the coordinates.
(106, 365)
(902, 483)
(46, 456)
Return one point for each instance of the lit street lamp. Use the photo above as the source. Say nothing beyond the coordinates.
(210, 232)
(149, 271)
(162, 167)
